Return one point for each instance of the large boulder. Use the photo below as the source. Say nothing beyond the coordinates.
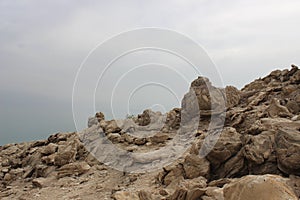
(288, 148)
(263, 187)
(228, 144)
(258, 150)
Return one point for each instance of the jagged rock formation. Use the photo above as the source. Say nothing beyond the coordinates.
(260, 135)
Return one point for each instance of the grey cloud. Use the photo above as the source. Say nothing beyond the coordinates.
(44, 42)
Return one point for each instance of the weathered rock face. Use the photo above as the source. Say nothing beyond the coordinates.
(287, 149)
(260, 137)
(194, 166)
(228, 144)
(263, 187)
(203, 98)
(233, 96)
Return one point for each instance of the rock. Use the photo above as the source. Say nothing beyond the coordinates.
(287, 149)
(111, 127)
(56, 138)
(263, 187)
(235, 166)
(203, 99)
(179, 194)
(173, 119)
(199, 182)
(49, 160)
(293, 106)
(124, 195)
(296, 78)
(5, 170)
(174, 175)
(195, 194)
(144, 195)
(296, 118)
(220, 182)
(258, 148)
(260, 136)
(294, 182)
(73, 169)
(213, 193)
(100, 116)
(144, 119)
(64, 158)
(233, 96)
(7, 177)
(195, 166)
(114, 137)
(67, 151)
(42, 182)
(49, 149)
(159, 138)
(163, 192)
(139, 141)
(228, 144)
(277, 110)
(92, 121)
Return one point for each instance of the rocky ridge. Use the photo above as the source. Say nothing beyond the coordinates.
(257, 154)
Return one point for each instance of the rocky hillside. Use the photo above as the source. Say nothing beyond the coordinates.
(157, 156)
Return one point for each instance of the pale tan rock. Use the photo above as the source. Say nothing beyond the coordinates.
(288, 148)
(43, 182)
(73, 169)
(7, 177)
(159, 138)
(233, 96)
(175, 175)
(49, 160)
(125, 195)
(64, 158)
(277, 110)
(228, 144)
(49, 149)
(213, 193)
(111, 127)
(195, 194)
(195, 166)
(199, 182)
(263, 187)
(144, 195)
(258, 148)
(179, 194)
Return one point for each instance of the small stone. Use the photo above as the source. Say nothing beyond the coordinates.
(7, 177)
(5, 170)
(296, 118)
(163, 192)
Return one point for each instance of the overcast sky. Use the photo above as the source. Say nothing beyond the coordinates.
(44, 42)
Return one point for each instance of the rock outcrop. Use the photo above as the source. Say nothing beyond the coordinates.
(250, 151)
